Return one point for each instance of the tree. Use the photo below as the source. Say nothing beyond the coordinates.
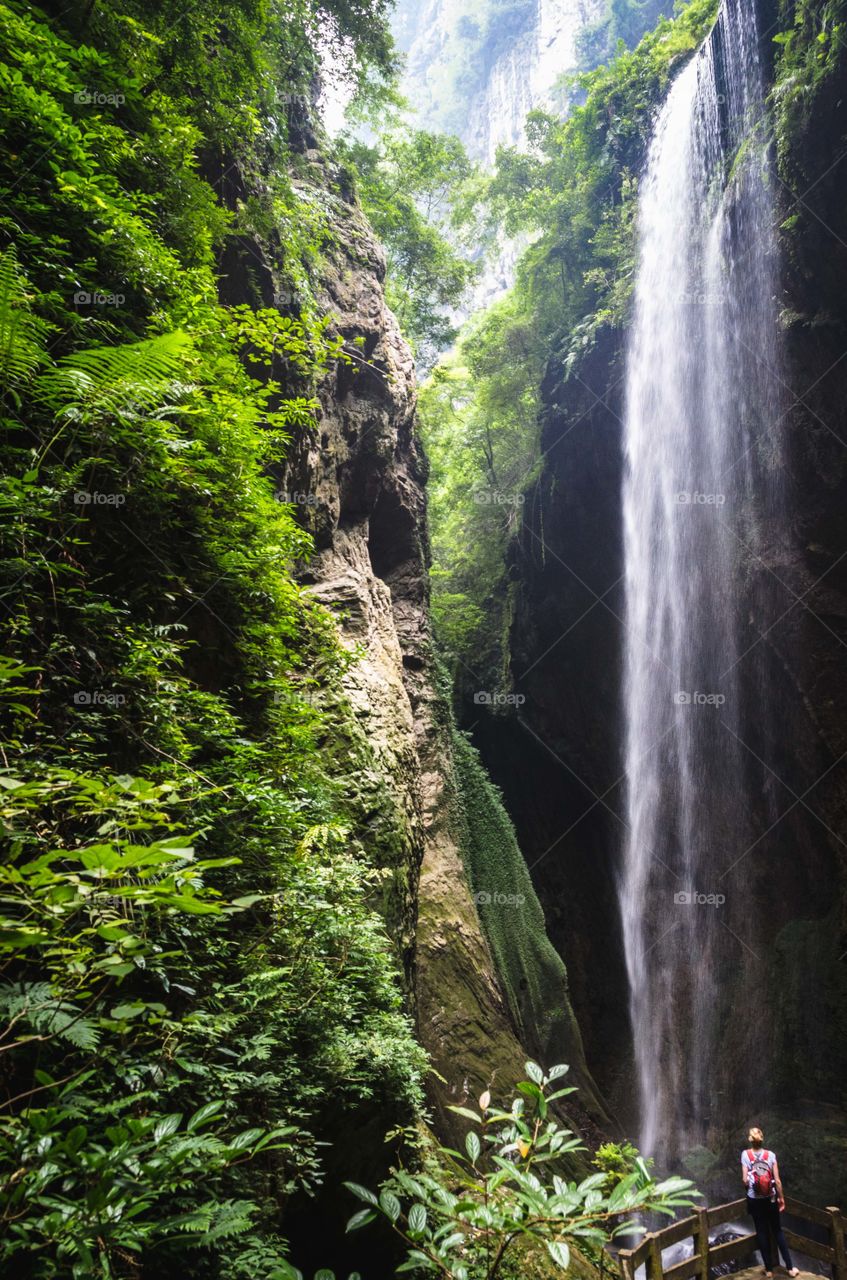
(417, 189)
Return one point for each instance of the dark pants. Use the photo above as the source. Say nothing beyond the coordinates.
(766, 1219)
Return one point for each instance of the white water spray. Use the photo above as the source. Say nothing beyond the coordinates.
(701, 407)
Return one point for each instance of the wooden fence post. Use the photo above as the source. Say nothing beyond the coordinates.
(625, 1263)
(839, 1266)
(701, 1243)
(654, 1257)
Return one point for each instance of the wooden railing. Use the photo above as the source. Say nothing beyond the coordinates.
(706, 1256)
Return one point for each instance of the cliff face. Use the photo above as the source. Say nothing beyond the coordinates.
(478, 70)
(358, 479)
(559, 760)
(365, 469)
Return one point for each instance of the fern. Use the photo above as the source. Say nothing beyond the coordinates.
(112, 380)
(215, 1220)
(22, 334)
(229, 1218)
(34, 1005)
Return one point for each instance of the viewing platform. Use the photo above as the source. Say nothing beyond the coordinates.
(825, 1244)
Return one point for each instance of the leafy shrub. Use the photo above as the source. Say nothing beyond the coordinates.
(469, 1219)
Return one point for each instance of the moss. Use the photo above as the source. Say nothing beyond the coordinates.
(530, 971)
(811, 59)
(700, 1163)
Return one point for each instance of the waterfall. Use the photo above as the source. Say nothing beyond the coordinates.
(701, 436)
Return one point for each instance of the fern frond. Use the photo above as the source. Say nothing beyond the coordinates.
(22, 334)
(35, 1005)
(215, 1220)
(80, 1032)
(230, 1218)
(137, 375)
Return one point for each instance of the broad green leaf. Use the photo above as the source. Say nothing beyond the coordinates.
(468, 1115)
(559, 1252)
(417, 1218)
(124, 1012)
(390, 1205)
(246, 1139)
(361, 1219)
(530, 1090)
(166, 1127)
(362, 1192)
(204, 1114)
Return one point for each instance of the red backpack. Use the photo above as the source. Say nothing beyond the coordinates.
(761, 1174)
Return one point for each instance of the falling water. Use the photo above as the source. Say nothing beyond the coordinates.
(702, 405)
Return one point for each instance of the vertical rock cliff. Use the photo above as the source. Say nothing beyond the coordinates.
(358, 479)
(559, 761)
(476, 71)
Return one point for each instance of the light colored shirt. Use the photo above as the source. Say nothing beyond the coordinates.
(761, 1155)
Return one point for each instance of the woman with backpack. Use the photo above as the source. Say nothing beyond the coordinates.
(765, 1200)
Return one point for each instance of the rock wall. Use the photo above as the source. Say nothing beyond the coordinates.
(477, 70)
(371, 570)
(358, 478)
(559, 761)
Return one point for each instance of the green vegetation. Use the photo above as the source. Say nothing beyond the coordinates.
(488, 1207)
(478, 413)
(811, 59)
(622, 25)
(574, 192)
(616, 1161)
(530, 970)
(193, 966)
(418, 189)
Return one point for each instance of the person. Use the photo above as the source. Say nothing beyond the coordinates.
(765, 1199)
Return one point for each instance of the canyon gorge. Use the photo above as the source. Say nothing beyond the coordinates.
(471, 716)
